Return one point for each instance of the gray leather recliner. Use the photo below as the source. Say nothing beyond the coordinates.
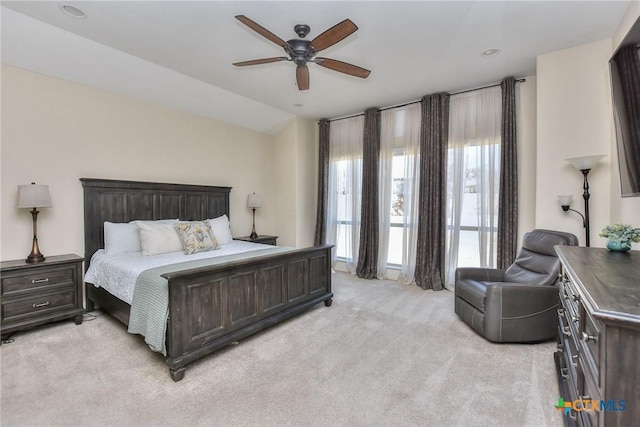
(517, 304)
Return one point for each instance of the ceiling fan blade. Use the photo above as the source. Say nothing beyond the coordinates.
(333, 35)
(261, 61)
(261, 30)
(302, 75)
(343, 67)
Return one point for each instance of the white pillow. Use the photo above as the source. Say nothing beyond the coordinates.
(220, 228)
(121, 238)
(158, 237)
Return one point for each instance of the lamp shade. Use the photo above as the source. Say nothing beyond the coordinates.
(33, 196)
(565, 200)
(585, 162)
(254, 201)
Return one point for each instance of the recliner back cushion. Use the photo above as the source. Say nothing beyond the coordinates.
(537, 262)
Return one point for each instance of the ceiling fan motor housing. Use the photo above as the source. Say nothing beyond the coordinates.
(300, 51)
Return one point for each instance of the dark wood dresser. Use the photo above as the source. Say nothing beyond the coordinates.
(40, 293)
(598, 357)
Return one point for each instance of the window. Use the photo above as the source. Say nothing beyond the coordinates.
(394, 257)
(347, 205)
(473, 180)
(345, 189)
(479, 205)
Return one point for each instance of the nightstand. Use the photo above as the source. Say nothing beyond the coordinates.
(264, 239)
(40, 293)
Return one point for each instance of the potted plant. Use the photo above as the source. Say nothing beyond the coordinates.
(620, 236)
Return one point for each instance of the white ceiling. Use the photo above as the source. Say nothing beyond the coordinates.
(179, 53)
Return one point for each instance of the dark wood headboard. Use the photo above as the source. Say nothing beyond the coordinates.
(124, 201)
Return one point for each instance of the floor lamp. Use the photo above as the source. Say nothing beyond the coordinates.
(584, 164)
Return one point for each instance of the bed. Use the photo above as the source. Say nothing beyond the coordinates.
(209, 307)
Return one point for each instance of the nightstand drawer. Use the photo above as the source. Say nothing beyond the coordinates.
(35, 294)
(20, 282)
(36, 305)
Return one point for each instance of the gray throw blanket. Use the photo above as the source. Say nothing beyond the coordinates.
(150, 304)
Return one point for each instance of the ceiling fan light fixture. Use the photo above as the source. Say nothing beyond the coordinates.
(490, 52)
(72, 11)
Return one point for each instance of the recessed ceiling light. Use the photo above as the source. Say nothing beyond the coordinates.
(491, 52)
(72, 11)
(297, 105)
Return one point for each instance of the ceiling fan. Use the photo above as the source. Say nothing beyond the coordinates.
(302, 51)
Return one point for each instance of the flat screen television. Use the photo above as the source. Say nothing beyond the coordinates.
(625, 90)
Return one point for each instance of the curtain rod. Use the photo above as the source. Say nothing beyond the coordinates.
(415, 102)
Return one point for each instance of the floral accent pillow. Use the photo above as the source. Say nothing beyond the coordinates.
(196, 236)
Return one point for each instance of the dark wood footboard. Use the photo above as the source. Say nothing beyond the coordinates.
(211, 307)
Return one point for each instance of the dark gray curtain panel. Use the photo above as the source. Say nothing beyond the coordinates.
(629, 69)
(508, 198)
(323, 183)
(367, 267)
(432, 200)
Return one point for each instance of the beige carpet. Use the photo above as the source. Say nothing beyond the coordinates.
(383, 355)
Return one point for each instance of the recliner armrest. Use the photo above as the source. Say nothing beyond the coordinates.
(482, 274)
(520, 299)
(518, 312)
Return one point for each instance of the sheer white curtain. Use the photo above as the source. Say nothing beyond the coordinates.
(473, 180)
(399, 148)
(345, 189)
(385, 177)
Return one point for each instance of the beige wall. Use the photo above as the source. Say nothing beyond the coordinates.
(295, 177)
(574, 119)
(55, 132)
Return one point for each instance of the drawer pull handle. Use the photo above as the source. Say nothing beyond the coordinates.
(561, 311)
(42, 304)
(574, 360)
(586, 337)
(566, 331)
(45, 280)
(574, 319)
(564, 372)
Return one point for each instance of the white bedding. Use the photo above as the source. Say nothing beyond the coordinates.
(117, 273)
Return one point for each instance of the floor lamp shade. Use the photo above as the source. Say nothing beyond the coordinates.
(585, 162)
(33, 197)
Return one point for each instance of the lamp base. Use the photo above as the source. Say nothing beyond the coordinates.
(34, 258)
(253, 234)
(35, 255)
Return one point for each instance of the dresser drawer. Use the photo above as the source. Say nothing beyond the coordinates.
(39, 279)
(17, 309)
(589, 343)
